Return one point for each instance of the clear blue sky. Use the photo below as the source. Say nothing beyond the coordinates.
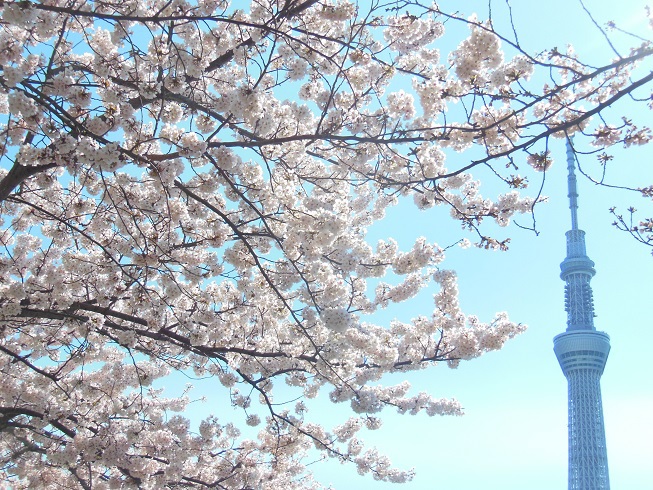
(514, 433)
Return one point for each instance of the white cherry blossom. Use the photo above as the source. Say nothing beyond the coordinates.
(188, 187)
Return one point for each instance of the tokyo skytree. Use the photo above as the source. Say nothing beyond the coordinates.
(582, 352)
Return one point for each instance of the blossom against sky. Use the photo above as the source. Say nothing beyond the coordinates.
(137, 241)
(514, 431)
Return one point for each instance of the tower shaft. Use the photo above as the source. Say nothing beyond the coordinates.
(588, 457)
(582, 356)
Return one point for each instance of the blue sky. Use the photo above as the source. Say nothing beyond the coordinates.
(514, 433)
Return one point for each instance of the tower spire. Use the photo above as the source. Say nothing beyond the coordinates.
(572, 193)
(582, 353)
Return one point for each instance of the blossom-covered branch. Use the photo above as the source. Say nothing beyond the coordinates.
(188, 186)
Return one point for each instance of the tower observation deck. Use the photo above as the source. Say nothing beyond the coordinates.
(582, 352)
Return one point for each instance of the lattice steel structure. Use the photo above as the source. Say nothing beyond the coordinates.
(582, 353)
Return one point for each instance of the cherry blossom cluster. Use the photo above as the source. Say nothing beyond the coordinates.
(188, 187)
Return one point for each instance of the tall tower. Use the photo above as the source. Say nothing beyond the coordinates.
(582, 353)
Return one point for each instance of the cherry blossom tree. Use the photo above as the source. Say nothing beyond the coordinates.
(187, 186)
